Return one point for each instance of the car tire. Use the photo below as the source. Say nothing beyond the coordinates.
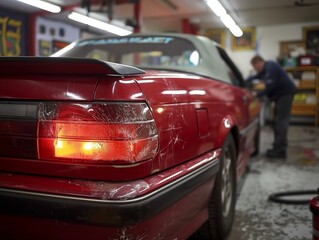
(221, 208)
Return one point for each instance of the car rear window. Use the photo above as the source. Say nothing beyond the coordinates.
(145, 52)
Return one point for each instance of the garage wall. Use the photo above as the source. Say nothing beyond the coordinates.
(268, 39)
(51, 36)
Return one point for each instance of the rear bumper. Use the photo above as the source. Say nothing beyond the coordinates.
(105, 212)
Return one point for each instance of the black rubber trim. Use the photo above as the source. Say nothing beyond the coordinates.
(104, 212)
(279, 197)
(48, 65)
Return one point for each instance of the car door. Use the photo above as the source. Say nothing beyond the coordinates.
(248, 119)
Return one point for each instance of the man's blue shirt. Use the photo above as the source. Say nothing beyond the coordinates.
(277, 82)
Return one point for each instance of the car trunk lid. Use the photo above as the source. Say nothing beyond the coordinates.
(51, 124)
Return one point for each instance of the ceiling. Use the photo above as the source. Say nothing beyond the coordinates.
(157, 15)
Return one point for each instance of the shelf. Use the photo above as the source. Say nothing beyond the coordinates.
(307, 84)
(303, 109)
(306, 100)
(306, 88)
(304, 68)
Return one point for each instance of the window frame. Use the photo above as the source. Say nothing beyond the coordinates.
(230, 64)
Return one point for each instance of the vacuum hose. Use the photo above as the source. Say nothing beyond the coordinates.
(280, 197)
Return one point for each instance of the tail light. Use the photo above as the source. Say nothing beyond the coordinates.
(96, 132)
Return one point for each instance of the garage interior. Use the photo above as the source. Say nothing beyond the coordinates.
(285, 31)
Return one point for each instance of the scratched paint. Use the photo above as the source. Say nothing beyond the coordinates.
(173, 129)
(124, 191)
(122, 132)
(136, 233)
(127, 233)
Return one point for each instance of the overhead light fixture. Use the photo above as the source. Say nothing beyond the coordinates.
(225, 18)
(216, 7)
(98, 24)
(236, 31)
(42, 5)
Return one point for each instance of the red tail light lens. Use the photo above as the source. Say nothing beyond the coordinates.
(101, 132)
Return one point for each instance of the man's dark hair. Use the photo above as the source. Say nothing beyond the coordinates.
(256, 59)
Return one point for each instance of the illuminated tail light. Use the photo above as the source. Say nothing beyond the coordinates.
(96, 132)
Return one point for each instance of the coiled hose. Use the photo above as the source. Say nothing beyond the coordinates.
(279, 197)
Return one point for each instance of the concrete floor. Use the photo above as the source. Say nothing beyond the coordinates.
(260, 219)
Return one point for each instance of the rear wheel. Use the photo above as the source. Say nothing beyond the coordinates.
(221, 207)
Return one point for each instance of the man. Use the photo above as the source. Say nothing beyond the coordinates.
(280, 89)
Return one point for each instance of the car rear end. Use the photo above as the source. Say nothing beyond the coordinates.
(78, 145)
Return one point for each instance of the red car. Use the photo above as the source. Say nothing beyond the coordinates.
(153, 149)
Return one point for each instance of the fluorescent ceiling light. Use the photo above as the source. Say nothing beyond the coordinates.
(228, 21)
(42, 5)
(236, 31)
(98, 24)
(216, 7)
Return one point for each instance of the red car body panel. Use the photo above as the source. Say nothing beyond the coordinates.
(164, 197)
(169, 224)
(183, 104)
(75, 219)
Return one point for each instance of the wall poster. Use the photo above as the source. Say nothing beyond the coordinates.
(13, 35)
(53, 36)
(247, 41)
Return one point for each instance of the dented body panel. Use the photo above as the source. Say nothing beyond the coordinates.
(112, 151)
